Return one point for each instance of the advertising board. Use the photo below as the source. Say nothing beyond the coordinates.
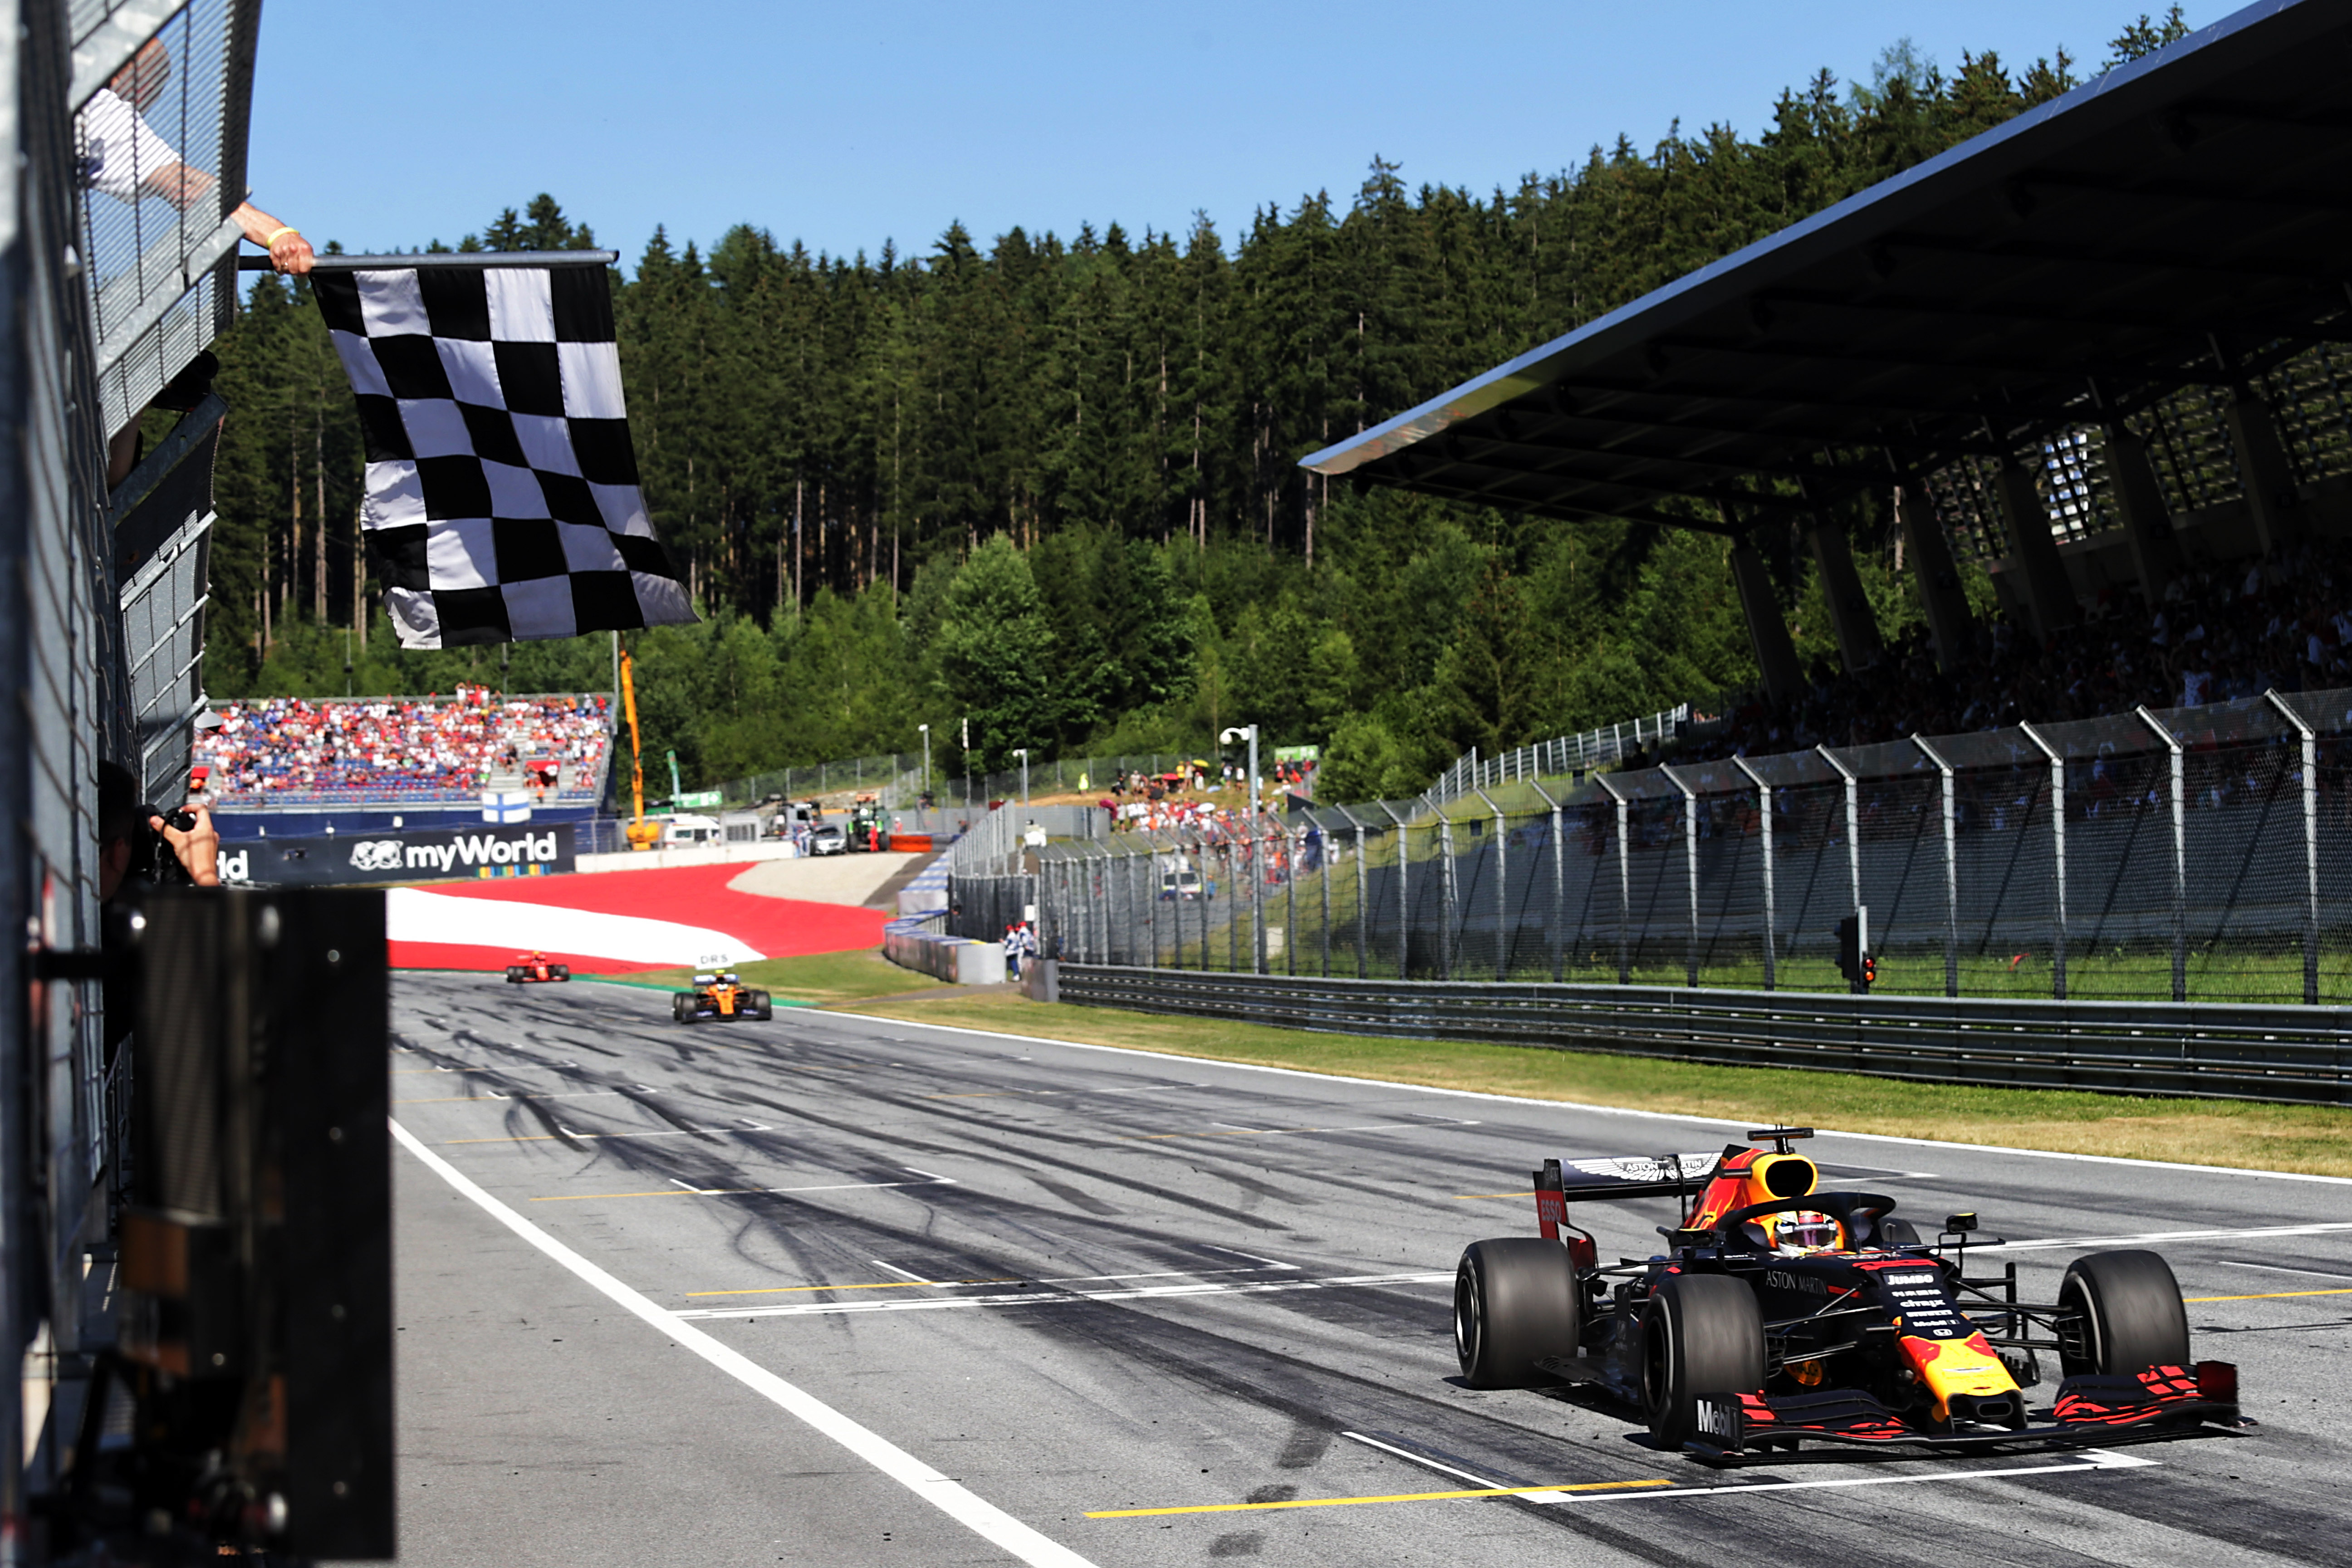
(425, 854)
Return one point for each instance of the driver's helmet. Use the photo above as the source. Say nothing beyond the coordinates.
(1800, 1231)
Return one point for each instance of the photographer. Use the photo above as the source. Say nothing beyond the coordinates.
(135, 839)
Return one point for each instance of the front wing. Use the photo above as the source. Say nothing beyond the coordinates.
(2163, 1401)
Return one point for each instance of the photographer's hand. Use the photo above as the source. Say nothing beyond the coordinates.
(198, 847)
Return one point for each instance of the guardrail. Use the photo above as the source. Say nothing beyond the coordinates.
(2198, 1050)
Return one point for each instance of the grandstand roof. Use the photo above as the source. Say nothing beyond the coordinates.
(2186, 218)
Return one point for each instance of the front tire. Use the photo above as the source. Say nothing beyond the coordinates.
(2119, 1314)
(559, 971)
(762, 1008)
(1515, 1301)
(679, 1009)
(1701, 1334)
(514, 975)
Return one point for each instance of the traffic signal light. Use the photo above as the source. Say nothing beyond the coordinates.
(1855, 961)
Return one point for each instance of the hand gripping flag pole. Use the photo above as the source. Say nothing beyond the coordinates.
(502, 496)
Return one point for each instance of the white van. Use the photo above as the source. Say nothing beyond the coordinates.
(682, 831)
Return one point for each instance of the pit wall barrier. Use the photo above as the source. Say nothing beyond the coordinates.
(916, 943)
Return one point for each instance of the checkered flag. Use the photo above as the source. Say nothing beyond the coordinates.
(502, 500)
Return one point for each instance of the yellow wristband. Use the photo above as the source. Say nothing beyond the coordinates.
(277, 235)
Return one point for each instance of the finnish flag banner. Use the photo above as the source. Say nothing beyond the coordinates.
(502, 501)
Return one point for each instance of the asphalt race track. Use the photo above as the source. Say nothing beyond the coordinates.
(941, 1295)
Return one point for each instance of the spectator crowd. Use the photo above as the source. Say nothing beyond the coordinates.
(294, 750)
(2218, 633)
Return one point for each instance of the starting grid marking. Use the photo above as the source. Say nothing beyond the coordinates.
(1655, 1489)
(1047, 1297)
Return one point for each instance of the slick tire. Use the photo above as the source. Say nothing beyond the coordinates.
(559, 971)
(680, 1009)
(2119, 1312)
(762, 1008)
(514, 976)
(1514, 1299)
(1701, 1334)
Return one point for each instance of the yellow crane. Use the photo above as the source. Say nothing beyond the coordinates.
(642, 834)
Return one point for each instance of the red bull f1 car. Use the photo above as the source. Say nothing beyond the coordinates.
(718, 994)
(1781, 1315)
(534, 969)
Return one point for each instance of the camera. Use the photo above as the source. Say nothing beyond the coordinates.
(151, 855)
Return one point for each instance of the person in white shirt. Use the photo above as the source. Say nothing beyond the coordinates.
(123, 157)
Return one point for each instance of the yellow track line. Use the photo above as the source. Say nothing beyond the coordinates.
(883, 1285)
(2269, 1296)
(1349, 1501)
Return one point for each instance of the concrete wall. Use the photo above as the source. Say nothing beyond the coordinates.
(915, 941)
(695, 855)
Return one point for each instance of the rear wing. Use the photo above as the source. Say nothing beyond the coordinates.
(1612, 1180)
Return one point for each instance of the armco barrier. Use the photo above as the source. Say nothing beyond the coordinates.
(2198, 1050)
(915, 942)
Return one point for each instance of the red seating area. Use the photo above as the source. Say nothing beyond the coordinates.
(298, 751)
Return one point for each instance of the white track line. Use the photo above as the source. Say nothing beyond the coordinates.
(1058, 1298)
(2232, 1234)
(1198, 1062)
(984, 1519)
(1427, 1463)
(2098, 1460)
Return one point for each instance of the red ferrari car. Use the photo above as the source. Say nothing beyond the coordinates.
(534, 969)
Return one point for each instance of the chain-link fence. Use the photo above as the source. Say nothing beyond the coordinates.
(2200, 852)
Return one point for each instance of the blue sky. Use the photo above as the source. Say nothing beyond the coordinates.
(392, 123)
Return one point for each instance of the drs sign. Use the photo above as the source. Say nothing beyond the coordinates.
(520, 851)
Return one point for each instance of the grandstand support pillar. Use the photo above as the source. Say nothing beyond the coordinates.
(1624, 884)
(1690, 871)
(1939, 579)
(2147, 523)
(1552, 924)
(1767, 630)
(2271, 498)
(2310, 739)
(2034, 551)
(1764, 839)
(2179, 857)
(1856, 627)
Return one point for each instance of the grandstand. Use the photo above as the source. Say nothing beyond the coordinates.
(309, 753)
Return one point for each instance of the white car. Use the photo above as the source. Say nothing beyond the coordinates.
(827, 838)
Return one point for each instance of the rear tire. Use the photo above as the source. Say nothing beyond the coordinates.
(1701, 1334)
(1514, 1299)
(2120, 1313)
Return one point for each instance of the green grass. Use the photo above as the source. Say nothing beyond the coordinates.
(825, 979)
(2314, 1139)
(2214, 974)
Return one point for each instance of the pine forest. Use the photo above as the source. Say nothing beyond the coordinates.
(1048, 485)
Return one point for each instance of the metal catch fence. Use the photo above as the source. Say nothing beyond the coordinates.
(2202, 853)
